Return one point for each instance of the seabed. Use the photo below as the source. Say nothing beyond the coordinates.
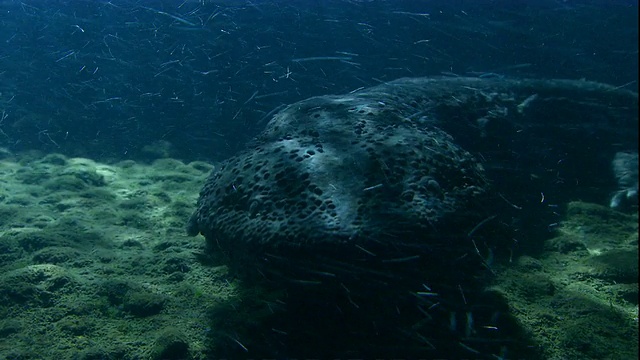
(95, 263)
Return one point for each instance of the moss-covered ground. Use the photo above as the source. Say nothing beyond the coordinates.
(95, 264)
(579, 298)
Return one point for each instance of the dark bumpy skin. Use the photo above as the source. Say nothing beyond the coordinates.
(395, 159)
(407, 187)
(329, 171)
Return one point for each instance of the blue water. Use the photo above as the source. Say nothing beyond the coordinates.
(104, 79)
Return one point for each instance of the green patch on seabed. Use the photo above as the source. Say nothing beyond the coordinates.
(579, 300)
(104, 270)
(94, 262)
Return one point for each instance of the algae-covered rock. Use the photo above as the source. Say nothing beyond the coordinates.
(171, 344)
(56, 255)
(37, 285)
(142, 303)
(618, 265)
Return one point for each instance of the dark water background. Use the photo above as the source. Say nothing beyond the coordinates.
(104, 79)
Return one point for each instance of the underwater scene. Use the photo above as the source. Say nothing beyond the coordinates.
(318, 179)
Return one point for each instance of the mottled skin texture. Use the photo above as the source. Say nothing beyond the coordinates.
(422, 144)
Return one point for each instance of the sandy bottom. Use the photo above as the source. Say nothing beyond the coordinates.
(95, 264)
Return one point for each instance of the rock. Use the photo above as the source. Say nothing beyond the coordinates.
(170, 344)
